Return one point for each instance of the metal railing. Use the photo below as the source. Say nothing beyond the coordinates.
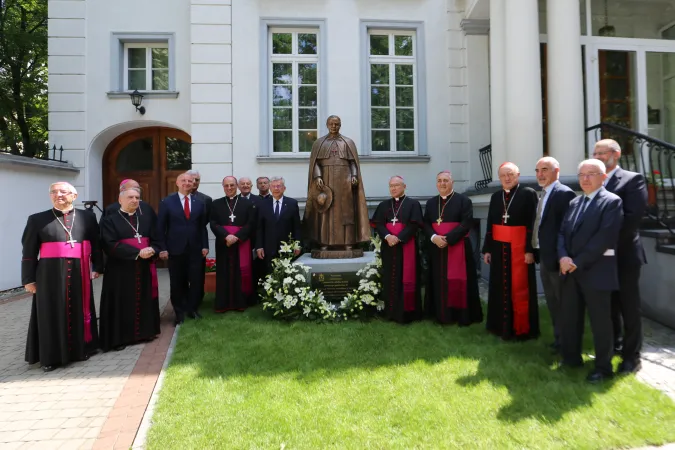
(652, 157)
(43, 154)
(485, 157)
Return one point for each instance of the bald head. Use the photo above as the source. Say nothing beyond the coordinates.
(608, 151)
(230, 186)
(547, 171)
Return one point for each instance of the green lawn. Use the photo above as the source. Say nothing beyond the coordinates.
(244, 381)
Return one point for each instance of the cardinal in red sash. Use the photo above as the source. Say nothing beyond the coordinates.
(452, 285)
(512, 300)
(61, 255)
(397, 220)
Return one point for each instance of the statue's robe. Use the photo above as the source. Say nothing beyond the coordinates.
(346, 220)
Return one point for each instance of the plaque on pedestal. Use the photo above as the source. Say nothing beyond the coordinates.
(335, 277)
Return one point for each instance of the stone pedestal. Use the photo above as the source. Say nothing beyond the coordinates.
(335, 277)
(337, 254)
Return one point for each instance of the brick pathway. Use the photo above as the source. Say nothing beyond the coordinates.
(91, 404)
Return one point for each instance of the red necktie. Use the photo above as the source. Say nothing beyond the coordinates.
(186, 208)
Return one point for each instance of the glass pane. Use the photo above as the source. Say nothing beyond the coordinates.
(282, 141)
(405, 141)
(404, 74)
(404, 96)
(379, 96)
(306, 44)
(282, 96)
(160, 58)
(282, 43)
(137, 80)
(379, 118)
(307, 96)
(282, 73)
(136, 156)
(137, 58)
(379, 74)
(306, 139)
(631, 19)
(616, 64)
(617, 89)
(307, 118)
(661, 96)
(282, 118)
(381, 141)
(178, 154)
(160, 80)
(403, 45)
(306, 73)
(379, 44)
(405, 118)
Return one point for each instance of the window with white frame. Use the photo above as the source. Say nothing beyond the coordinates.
(146, 67)
(293, 89)
(392, 75)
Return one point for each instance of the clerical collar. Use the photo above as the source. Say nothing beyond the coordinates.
(127, 212)
(449, 195)
(232, 198)
(399, 198)
(65, 211)
(509, 190)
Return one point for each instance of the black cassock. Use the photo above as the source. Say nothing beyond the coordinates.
(513, 312)
(400, 290)
(234, 277)
(451, 300)
(62, 324)
(129, 303)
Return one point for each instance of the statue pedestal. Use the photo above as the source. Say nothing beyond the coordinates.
(335, 277)
(337, 254)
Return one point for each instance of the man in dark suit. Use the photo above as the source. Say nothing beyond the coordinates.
(587, 250)
(263, 185)
(245, 186)
(182, 229)
(630, 186)
(277, 219)
(196, 180)
(554, 199)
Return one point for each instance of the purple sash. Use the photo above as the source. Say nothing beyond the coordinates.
(145, 242)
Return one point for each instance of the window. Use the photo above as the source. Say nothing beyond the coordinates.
(146, 67)
(294, 94)
(392, 76)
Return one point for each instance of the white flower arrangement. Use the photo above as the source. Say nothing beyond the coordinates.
(287, 293)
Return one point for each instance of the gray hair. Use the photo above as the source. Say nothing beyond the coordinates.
(610, 144)
(194, 173)
(550, 160)
(397, 176)
(511, 165)
(241, 180)
(70, 187)
(283, 182)
(592, 162)
(444, 171)
(137, 190)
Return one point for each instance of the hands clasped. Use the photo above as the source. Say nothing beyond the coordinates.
(147, 252)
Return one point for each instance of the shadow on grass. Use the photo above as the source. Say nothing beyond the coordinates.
(252, 344)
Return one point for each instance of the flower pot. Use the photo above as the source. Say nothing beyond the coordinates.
(652, 189)
(210, 282)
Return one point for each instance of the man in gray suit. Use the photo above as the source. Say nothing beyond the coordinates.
(587, 250)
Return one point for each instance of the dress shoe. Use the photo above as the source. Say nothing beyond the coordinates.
(119, 348)
(596, 377)
(618, 346)
(48, 368)
(627, 367)
(194, 315)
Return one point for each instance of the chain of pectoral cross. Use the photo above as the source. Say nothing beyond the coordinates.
(232, 216)
(69, 233)
(507, 206)
(396, 211)
(138, 226)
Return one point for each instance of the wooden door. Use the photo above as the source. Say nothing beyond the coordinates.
(617, 97)
(153, 156)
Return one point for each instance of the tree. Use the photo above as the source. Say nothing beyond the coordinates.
(23, 76)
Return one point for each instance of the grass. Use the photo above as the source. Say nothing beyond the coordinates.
(244, 381)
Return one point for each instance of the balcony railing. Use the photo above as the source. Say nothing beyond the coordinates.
(485, 157)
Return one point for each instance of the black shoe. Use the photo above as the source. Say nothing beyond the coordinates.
(618, 346)
(596, 377)
(178, 321)
(194, 315)
(627, 367)
(48, 368)
(119, 347)
(86, 357)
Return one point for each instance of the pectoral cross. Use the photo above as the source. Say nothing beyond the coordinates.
(232, 217)
(138, 236)
(439, 220)
(394, 220)
(72, 242)
(506, 217)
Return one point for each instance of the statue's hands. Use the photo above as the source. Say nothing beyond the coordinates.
(355, 181)
(319, 183)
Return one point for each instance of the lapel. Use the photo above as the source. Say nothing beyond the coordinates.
(544, 212)
(589, 210)
(613, 182)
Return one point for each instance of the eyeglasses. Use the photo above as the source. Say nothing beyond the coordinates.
(60, 191)
(602, 153)
(589, 175)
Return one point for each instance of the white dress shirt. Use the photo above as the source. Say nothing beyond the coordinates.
(182, 200)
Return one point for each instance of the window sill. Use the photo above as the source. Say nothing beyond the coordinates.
(146, 94)
(362, 158)
(304, 157)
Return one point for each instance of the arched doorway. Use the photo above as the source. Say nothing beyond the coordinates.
(153, 156)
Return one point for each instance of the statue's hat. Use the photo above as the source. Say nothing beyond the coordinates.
(323, 199)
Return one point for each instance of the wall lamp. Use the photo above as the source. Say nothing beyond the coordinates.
(136, 100)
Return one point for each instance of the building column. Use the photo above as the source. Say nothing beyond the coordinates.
(524, 134)
(497, 84)
(565, 85)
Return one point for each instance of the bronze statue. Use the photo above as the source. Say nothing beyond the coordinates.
(336, 215)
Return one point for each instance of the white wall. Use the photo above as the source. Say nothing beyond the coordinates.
(344, 90)
(32, 178)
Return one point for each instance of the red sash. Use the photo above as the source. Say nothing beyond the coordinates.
(244, 261)
(81, 251)
(520, 287)
(456, 267)
(409, 268)
(145, 242)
